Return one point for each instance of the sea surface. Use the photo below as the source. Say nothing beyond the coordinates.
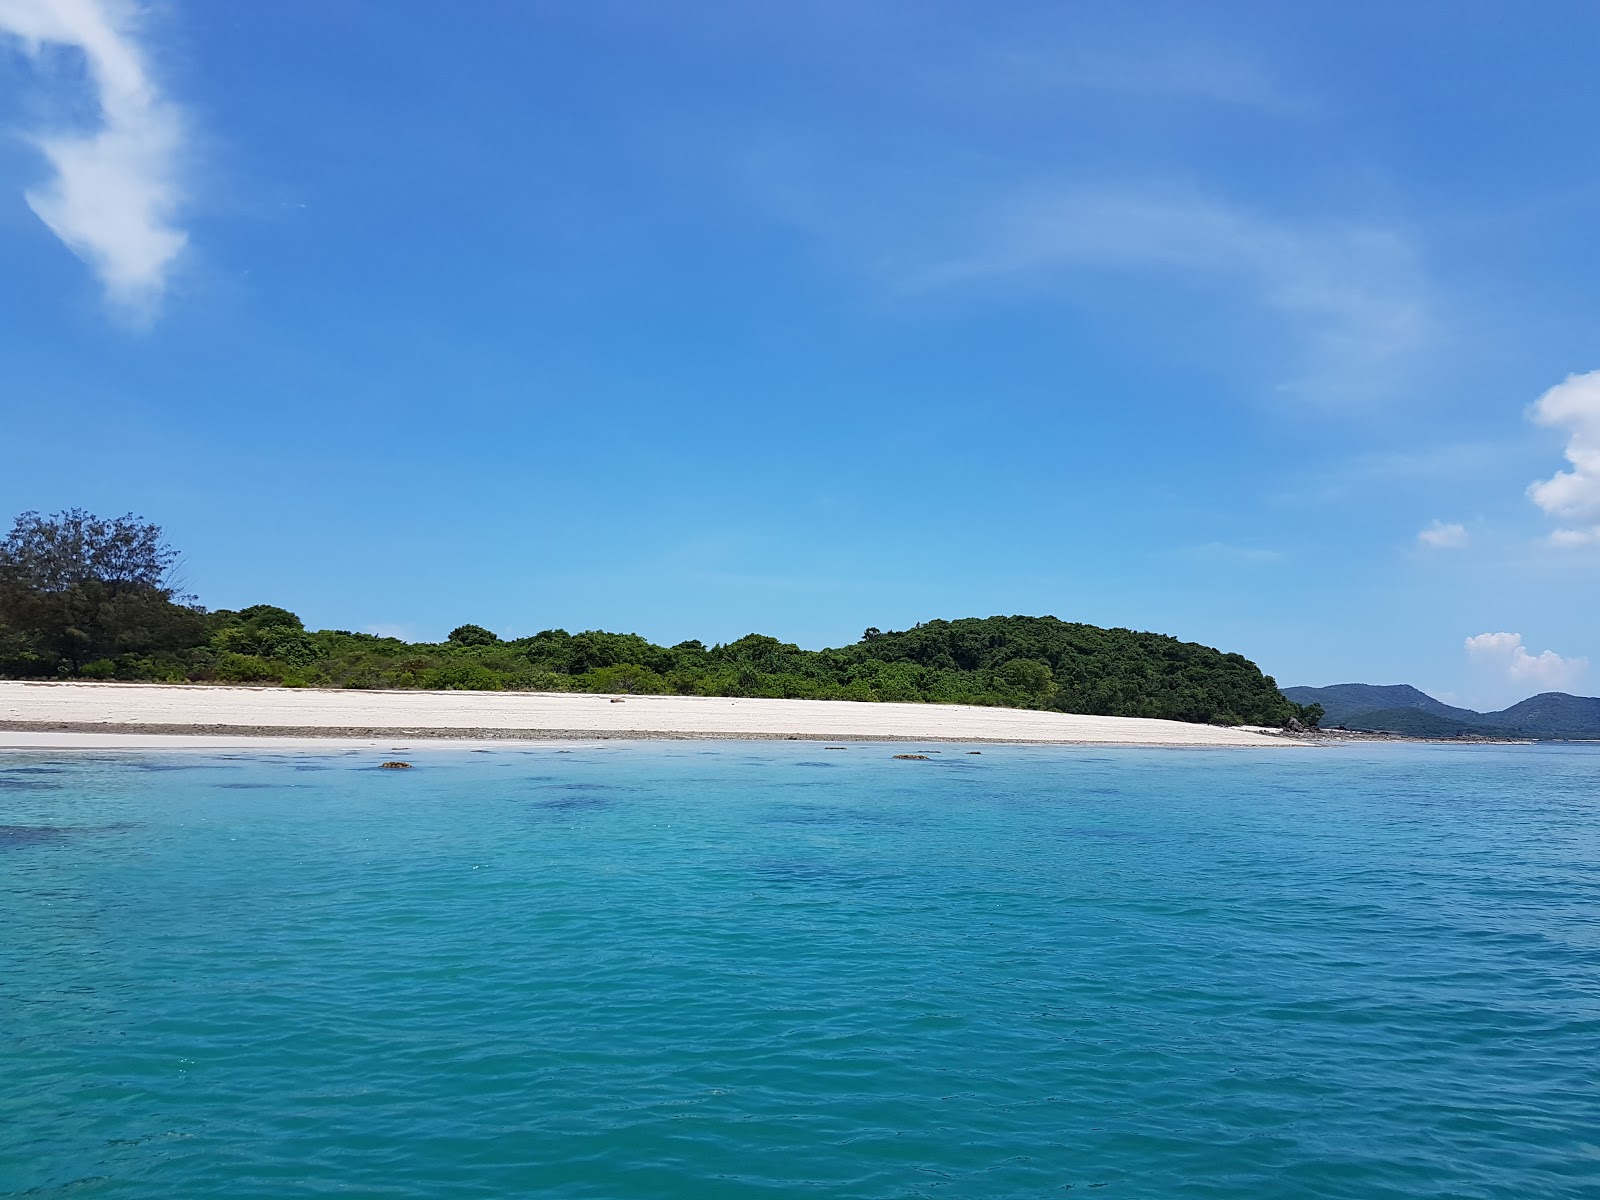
(767, 969)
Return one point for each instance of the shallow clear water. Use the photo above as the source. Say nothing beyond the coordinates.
(728, 970)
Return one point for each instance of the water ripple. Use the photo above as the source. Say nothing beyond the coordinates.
(653, 972)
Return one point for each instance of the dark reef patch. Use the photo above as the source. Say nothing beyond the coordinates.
(183, 766)
(815, 873)
(16, 837)
(572, 804)
(1100, 833)
(8, 784)
(829, 814)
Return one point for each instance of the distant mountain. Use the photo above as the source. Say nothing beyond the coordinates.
(1551, 714)
(1412, 722)
(1400, 708)
(1342, 701)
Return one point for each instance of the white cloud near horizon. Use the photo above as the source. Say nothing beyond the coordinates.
(1572, 497)
(115, 189)
(1440, 536)
(1546, 671)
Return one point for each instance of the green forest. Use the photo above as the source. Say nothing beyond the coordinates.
(84, 597)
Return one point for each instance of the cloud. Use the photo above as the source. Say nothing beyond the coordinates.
(1546, 671)
(1439, 536)
(1185, 71)
(1356, 294)
(115, 189)
(1572, 496)
(1572, 538)
(1225, 552)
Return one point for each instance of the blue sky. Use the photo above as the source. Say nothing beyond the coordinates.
(1263, 325)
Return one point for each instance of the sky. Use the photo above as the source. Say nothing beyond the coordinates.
(1267, 326)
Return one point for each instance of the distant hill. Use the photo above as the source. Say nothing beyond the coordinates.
(1412, 722)
(1551, 714)
(1400, 708)
(1344, 700)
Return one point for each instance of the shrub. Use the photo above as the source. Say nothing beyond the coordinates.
(462, 677)
(624, 677)
(1031, 676)
(247, 668)
(266, 631)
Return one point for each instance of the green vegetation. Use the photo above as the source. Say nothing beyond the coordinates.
(85, 598)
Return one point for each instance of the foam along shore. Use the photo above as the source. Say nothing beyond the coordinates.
(90, 711)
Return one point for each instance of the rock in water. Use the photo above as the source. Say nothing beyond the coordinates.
(395, 766)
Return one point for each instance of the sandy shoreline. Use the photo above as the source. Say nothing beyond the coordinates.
(144, 716)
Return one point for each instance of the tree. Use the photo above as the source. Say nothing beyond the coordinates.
(1029, 675)
(473, 635)
(625, 677)
(264, 616)
(463, 677)
(75, 587)
(266, 631)
(73, 547)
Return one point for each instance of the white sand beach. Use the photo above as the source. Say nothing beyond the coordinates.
(105, 715)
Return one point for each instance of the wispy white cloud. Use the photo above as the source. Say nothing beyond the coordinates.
(1227, 552)
(1575, 538)
(115, 191)
(1545, 671)
(1572, 497)
(1421, 473)
(927, 193)
(1355, 295)
(1187, 72)
(1440, 536)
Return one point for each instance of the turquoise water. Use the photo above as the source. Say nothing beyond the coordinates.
(730, 970)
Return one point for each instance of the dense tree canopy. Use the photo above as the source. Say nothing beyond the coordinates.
(76, 588)
(81, 597)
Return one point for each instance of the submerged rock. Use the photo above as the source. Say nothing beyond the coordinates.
(921, 757)
(15, 836)
(396, 766)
